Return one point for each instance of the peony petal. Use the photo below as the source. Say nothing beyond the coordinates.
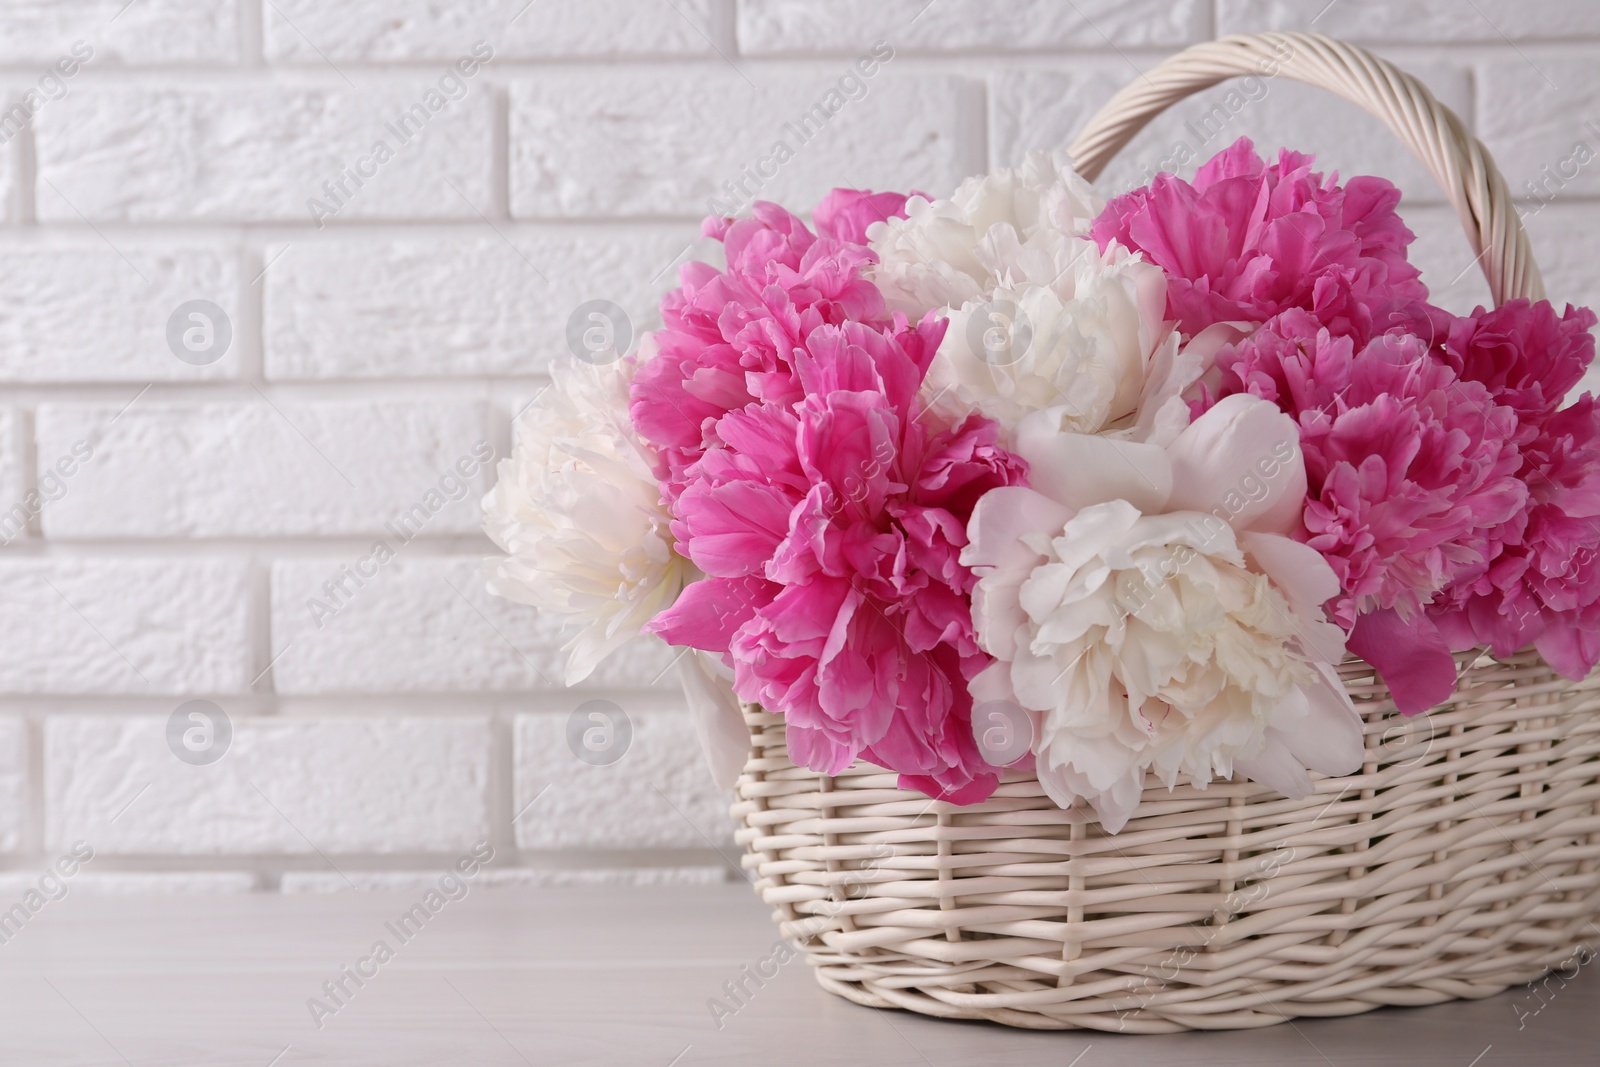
(1054, 781)
(1172, 371)
(1329, 739)
(1000, 519)
(1241, 462)
(733, 529)
(997, 618)
(1306, 580)
(709, 611)
(1570, 649)
(1114, 803)
(1277, 768)
(1297, 569)
(1412, 658)
(589, 646)
(814, 749)
(718, 721)
(846, 214)
(1079, 470)
(979, 788)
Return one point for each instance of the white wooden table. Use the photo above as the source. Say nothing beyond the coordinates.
(592, 976)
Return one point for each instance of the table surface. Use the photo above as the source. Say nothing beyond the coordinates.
(592, 976)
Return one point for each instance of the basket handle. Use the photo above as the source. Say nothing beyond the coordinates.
(1434, 134)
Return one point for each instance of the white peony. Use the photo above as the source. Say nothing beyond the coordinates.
(1039, 316)
(718, 717)
(578, 512)
(1146, 606)
(1009, 228)
(1094, 343)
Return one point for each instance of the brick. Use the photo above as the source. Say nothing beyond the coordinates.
(8, 179)
(13, 783)
(374, 881)
(261, 468)
(503, 877)
(658, 795)
(143, 153)
(91, 313)
(120, 33)
(338, 785)
(13, 481)
(1445, 257)
(769, 27)
(1564, 238)
(1044, 109)
(451, 307)
(135, 883)
(655, 144)
(1540, 123)
(1386, 21)
(636, 877)
(427, 624)
(124, 625)
(367, 31)
(1047, 109)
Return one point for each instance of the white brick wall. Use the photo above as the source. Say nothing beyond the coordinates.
(402, 30)
(80, 311)
(295, 785)
(219, 151)
(387, 315)
(258, 467)
(148, 33)
(110, 623)
(450, 306)
(650, 798)
(636, 143)
(800, 27)
(425, 625)
(13, 783)
(1424, 22)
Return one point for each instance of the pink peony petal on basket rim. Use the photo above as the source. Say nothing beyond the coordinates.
(1411, 657)
(980, 788)
(1570, 649)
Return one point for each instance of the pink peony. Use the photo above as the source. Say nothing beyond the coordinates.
(727, 335)
(831, 529)
(1246, 241)
(1523, 352)
(1412, 478)
(1543, 586)
(845, 214)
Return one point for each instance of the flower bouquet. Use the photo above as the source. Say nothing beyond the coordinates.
(1139, 470)
(1022, 500)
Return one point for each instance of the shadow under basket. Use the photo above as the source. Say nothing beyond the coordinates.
(1464, 858)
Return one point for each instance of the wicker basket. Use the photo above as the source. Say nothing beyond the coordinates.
(1461, 860)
